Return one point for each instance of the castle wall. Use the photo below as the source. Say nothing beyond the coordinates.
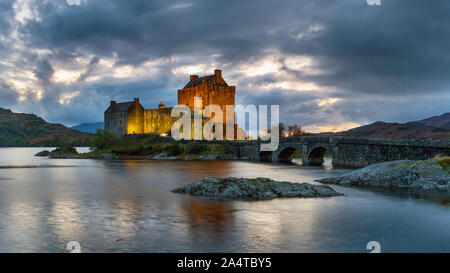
(116, 122)
(158, 121)
(136, 119)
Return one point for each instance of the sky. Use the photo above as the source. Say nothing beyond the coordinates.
(330, 64)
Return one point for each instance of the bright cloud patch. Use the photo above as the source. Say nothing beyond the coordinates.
(65, 76)
(65, 98)
(331, 127)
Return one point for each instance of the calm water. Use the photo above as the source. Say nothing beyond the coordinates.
(127, 206)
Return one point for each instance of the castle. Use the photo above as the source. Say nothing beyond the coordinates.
(132, 118)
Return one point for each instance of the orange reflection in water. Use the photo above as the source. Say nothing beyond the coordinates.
(209, 215)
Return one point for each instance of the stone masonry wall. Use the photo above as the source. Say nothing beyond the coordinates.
(116, 123)
(158, 120)
(211, 94)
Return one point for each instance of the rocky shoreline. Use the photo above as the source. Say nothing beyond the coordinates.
(67, 153)
(252, 189)
(405, 174)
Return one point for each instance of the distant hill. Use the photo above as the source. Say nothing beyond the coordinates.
(89, 127)
(442, 120)
(18, 129)
(434, 127)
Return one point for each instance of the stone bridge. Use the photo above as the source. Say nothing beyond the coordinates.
(352, 152)
(345, 151)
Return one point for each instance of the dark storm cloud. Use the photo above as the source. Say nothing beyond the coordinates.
(94, 61)
(398, 47)
(138, 30)
(370, 56)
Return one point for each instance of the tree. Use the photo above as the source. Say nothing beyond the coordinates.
(102, 140)
(296, 130)
(282, 129)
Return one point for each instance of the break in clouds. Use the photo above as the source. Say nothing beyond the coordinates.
(330, 65)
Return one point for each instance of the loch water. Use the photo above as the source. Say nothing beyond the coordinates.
(127, 206)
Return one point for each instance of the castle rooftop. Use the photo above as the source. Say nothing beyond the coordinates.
(215, 79)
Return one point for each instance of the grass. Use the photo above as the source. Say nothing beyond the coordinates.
(260, 180)
(256, 181)
(444, 162)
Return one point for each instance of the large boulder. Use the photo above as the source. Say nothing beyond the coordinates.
(43, 153)
(419, 175)
(231, 188)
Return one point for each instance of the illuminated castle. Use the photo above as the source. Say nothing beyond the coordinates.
(132, 118)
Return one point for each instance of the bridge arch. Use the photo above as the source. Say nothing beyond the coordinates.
(285, 155)
(316, 153)
(285, 152)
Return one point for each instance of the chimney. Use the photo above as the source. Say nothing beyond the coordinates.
(136, 100)
(161, 105)
(193, 77)
(218, 73)
(113, 102)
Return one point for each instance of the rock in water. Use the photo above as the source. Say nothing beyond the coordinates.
(64, 150)
(418, 175)
(231, 188)
(43, 153)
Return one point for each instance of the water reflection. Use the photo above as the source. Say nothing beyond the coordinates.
(208, 215)
(127, 206)
(65, 220)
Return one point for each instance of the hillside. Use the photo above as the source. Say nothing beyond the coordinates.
(442, 120)
(18, 129)
(89, 127)
(434, 127)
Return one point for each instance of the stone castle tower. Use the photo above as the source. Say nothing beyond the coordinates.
(212, 89)
(132, 118)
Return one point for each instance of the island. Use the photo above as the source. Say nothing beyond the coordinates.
(144, 147)
(249, 189)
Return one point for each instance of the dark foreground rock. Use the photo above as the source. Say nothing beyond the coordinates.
(417, 175)
(43, 153)
(231, 188)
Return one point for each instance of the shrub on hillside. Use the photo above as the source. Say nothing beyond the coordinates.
(195, 148)
(102, 140)
(64, 150)
(175, 149)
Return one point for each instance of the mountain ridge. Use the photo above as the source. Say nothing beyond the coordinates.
(21, 129)
(89, 127)
(432, 127)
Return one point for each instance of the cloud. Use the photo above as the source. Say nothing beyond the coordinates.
(324, 62)
(8, 96)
